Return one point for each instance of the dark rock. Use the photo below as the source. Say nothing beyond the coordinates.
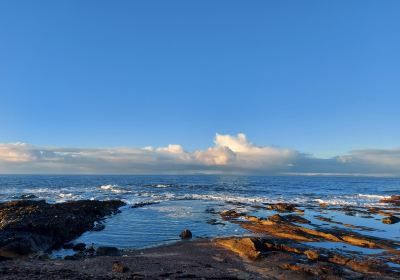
(311, 255)
(296, 219)
(142, 204)
(186, 234)
(119, 267)
(283, 207)
(44, 257)
(75, 257)
(211, 211)
(214, 222)
(68, 246)
(90, 251)
(394, 199)
(2, 259)
(230, 214)
(29, 226)
(27, 196)
(391, 220)
(98, 227)
(79, 247)
(108, 251)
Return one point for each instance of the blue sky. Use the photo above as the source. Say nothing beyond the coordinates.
(320, 77)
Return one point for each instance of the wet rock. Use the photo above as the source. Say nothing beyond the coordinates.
(291, 218)
(394, 199)
(391, 220)
(284, 246)
(79, 247)
(90, 251)
(230, 214)
(312, 255)
(367, 265)
(29, 226)
(278, 226)
(98, 227)
(338, 259)
(296, 219)
(119, 267)
(185, 234)
(211, 210)
(27, 196)
(108, 251)
(75, 257)
(329, 220)
(214, 222)
(245, 247)
(274, 218)
(318, 269)
(143, 204)
(284, 207)
(68, 245)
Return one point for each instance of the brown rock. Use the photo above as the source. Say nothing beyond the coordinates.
(283, 207)
(185, 234)
(245, 247)
(391, 220)
(366, 265)
(119, 267)
(338, 259)
(296, 219)
(230, 214)
(108, 251)
(394, 199)
(312, 255)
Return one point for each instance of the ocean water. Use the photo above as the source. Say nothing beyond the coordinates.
(193, 202)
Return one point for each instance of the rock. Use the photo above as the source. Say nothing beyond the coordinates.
(283, 207)
(245, 247)
(278, 226)
(214, 222)
(79, 247)
(338, 259)
(90, 251)
(276, 218)
(185, 234)
(391, 220)
(27, 196)
(142, 204)
(75, 257)
(279, 245)
(312, 255)
(367, 265)
(68, 245)
(108, 251)
(3, 259)
(29, 226)
(98, 227)
(119, 267)
(296, 219)
(230, 214)
(394, 199)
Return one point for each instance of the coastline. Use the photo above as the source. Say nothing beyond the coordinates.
(285, 245)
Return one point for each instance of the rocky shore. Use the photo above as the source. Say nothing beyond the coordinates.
(31, 227)
(283, 244)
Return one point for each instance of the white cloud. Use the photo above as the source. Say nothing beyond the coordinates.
(230, 154)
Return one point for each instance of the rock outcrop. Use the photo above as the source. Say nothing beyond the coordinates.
(31, 226)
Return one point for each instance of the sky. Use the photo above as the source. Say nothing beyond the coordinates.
(152, 86)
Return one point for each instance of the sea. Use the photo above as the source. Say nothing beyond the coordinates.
(169, 204)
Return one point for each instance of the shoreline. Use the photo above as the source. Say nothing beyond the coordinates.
(282, 244)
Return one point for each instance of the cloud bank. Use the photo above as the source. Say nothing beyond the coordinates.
(229, 155)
